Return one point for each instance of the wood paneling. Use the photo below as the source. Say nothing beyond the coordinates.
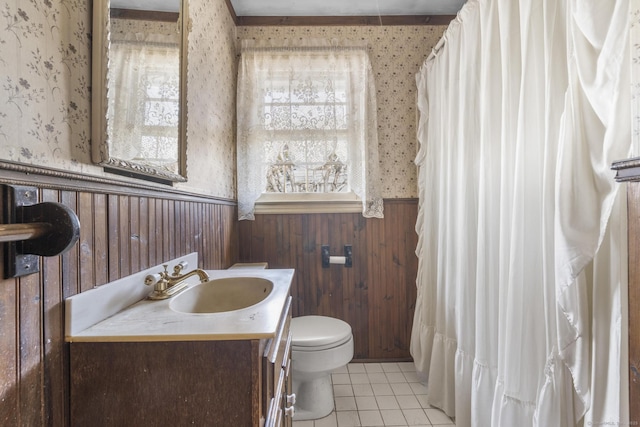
(376, 296)
(120, 234)
(629, 171)
(633, 208)
(344, 20)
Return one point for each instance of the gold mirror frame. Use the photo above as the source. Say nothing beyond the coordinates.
(101, 141)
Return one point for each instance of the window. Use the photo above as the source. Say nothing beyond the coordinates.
(309, 119)
(307, 132)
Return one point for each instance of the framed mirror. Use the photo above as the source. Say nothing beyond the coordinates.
(139, 88)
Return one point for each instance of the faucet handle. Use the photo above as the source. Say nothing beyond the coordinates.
(152, 279)
(179, 267)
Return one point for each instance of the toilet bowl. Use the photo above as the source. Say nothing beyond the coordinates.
(319, 345)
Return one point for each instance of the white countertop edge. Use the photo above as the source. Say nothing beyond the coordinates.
(170, 338)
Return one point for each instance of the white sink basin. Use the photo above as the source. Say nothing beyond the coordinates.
(222, 295)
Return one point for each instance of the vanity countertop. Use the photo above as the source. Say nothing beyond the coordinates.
(148, 320)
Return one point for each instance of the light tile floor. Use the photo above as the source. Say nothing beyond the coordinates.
(379, 394)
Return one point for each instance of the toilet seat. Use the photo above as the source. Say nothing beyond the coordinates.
(313, 333)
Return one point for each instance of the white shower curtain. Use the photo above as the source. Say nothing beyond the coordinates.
(520, 318)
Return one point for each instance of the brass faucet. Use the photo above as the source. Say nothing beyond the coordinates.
(165, 285)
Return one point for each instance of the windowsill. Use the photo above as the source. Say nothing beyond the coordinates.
(303, 203)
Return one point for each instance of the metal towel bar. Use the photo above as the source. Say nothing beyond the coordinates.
(33, 229)
(15, 232)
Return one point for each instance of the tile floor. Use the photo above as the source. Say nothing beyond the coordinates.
(379, 394)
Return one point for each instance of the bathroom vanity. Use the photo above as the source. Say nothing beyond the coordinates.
(151, 365)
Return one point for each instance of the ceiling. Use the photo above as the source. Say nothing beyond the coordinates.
(314, 7)
(345, 7)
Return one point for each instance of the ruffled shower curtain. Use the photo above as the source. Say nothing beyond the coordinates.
(520, 316)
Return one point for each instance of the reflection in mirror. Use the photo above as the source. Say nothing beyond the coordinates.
(144, 106)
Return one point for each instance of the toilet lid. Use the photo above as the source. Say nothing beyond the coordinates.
(318, 331)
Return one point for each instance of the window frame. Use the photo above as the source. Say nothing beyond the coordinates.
(271, 202)
(292, 203)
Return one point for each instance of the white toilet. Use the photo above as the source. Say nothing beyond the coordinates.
(320, 345)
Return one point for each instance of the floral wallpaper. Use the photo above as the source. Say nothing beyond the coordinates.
(396, 54)
(45, 90)
(45, 56)
(45, 87)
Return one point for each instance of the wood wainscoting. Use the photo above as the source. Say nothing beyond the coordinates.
(376, 296)
(633, 218)
(125, 228)
(629, 171)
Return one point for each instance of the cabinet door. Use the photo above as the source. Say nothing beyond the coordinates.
(288, 397)
(276, 357)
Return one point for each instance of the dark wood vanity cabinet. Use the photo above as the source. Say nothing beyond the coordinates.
(178, 383)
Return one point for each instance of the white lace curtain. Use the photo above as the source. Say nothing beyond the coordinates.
(144, 98)
(307, 123)
(520, 318)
